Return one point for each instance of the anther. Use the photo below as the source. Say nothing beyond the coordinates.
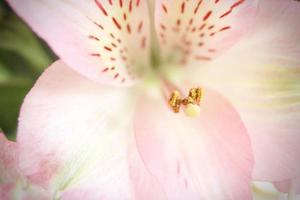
(191, 103)
(175, 101)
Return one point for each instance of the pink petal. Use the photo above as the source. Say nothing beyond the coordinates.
(145, 184)
(8, 167)
(267, 98)
(197, 31)
(8, 160)
(12, 183)
(260, 76)
(106, 41)
(276, 34)
(204, 158)
(289, 186)
(18, 189)
(73, 135)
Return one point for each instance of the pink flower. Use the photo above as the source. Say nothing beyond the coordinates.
(97, 124)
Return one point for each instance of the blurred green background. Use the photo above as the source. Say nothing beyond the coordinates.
(23, 57)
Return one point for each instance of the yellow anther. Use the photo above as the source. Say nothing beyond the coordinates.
(175, 101)
(195, 95)
(191, 103)
(192, 110)
(198, 95)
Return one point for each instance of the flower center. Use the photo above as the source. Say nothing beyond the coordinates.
(191, 103)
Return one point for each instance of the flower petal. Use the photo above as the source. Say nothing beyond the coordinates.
(289, 186)
(266, 191)
(106, 41)
(73, 135)
(12, 183)
(145, 184)
(205, 158)
(277, 32)
(268, 100)
(8, 159)
(261, 78)
(194, 32)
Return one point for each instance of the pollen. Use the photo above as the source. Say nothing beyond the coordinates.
(192, 110)
(190, 104)
(175, 101)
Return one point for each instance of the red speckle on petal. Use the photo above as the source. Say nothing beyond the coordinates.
(112, 35)
(182, 7)
(99, 25)
(202, 35)
(140, 26)
(197, 7)
(107, 48)
(202, 27)
(100, 6)
(95, 54)
(232, 7)
(128, 28)
(116, 23)
(121, 3)
(211, 27)
(116, 75)
(93, 37)
(200, 44)
(130, 6)
(178, 22)
(207, 15)
(137, 3)
(105, 69)
(124, 16)
(224, 28)
(163, 27)
(164, 8)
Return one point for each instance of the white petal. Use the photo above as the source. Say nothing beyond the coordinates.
(106, 41)
(73, 133)
(194, 32)
(261, 77)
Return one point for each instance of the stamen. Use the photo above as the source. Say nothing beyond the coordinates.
(191, 103)
(175, 101)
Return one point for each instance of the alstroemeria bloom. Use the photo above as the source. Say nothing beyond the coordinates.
(97, 125)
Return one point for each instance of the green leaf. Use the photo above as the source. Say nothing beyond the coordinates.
(16, 37)
(4, 72)
(12, 94)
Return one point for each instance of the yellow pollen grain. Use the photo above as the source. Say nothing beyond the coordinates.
(192, 110)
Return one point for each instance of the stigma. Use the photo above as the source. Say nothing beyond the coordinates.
(190, 104)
